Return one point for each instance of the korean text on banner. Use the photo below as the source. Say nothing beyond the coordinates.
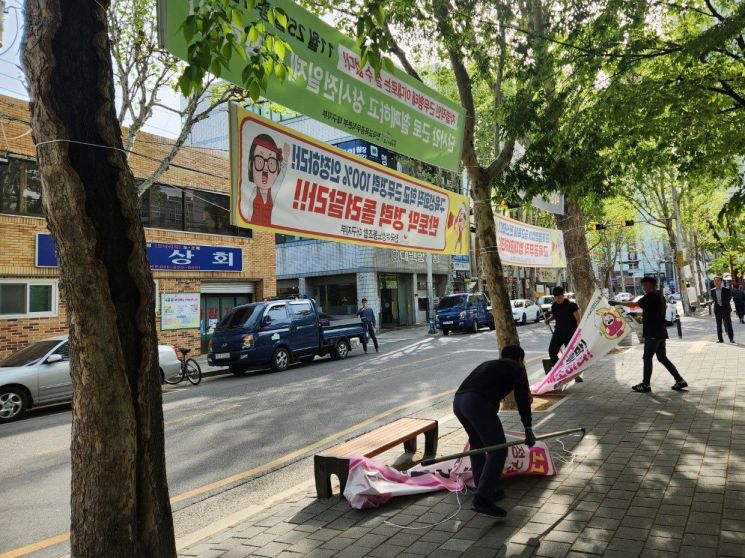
(283, 181)
(601, 329)
(326, 83)
(529, 246)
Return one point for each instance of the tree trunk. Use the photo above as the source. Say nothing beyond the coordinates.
(579, 264)
(120, 505)
(487, 234)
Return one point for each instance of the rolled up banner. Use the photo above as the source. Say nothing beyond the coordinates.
(601, 329)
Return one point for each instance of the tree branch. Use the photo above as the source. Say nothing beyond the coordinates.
(400, 54)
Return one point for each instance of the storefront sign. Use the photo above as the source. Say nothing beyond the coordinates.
(163, 255)
(179, 311)
(412, 257)
(528, 246)
(283, 181)
(461, 263)
(371, 152)
(327, 83)
(548, 275)
(602, 328)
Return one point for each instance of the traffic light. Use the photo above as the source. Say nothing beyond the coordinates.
(596, 227)
(626, 223)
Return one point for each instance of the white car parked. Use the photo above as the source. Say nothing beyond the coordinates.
(524, 310)
(39, 374)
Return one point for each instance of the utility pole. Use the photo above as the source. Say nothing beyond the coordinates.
(679, 255)
(430, 288)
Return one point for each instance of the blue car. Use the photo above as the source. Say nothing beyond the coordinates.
(277, 333)
(465, 312)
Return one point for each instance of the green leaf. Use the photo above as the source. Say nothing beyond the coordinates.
(253, 34)
(254, 90)
(189, 28)
(270, 16)
(281, 19)
(280, 72)
(279, 49)
(389, 65)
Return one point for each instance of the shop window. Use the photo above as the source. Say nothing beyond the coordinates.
(27, 298)
(185, 209)
(20, 188)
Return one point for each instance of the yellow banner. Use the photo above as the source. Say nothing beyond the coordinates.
(286, 182)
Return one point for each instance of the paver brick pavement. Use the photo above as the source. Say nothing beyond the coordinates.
(658, 474)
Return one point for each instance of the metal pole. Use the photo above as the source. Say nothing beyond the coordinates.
(430, 288)
(433, 460)
(678, 249)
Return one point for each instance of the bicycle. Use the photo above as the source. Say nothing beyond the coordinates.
(189, 369)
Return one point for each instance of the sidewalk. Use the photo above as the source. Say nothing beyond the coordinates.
(660, 474)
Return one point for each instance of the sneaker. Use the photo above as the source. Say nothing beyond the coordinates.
(641, 388)
(487, 508)
(682, 384)
(720, 341)
(731, 340)
(498, 495)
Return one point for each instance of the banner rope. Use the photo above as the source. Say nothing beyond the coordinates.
(464, 490)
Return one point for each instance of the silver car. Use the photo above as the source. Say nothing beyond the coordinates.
(39, 374)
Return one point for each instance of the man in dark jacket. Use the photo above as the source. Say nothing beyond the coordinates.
(722, 298)
(476, 405)
(654, 332)
(567, 317)
(368, 319)
(738, 297)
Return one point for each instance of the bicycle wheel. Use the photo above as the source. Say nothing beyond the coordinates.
(193, 372)
(174, 376)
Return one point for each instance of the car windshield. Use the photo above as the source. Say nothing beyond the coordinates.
(545, 300)
(30, 353)
(240, 317)
(517, 303)
(451, 302)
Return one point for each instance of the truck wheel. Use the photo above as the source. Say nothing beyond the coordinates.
(475, 327)
(445, 331)
(237, 369)
(524, 320)
(280, 359)
(341, 350)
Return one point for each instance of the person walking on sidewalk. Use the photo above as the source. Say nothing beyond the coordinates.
(476, 405)
(368, 318)
(722, 298)
(654, 332)
(738, 297)
(567, 317)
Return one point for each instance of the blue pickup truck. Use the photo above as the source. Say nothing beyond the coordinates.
(277, 333)
(466, 312)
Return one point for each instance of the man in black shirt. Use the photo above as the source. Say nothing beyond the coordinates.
(654, 332)
(476, 405)
(566, 314)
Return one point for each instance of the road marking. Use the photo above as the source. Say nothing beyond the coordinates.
(33, 547)
(62, 537)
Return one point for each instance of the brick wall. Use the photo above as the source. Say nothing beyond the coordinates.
(18, 234)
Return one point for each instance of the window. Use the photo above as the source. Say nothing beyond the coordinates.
(184, 209)
(277, 313)
(63, 350)
(301, 310)
(20, 188)
(27, 298)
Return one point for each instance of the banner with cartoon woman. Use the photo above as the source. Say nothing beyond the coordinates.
(283, 181)
(601, 329)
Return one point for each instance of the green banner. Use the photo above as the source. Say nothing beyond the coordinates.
(393, 110)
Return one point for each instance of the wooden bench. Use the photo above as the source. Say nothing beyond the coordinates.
(335, 460)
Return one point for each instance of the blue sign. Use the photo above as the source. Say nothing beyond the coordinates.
(163, 255)
(371, 152)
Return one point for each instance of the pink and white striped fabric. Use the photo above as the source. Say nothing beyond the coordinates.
(371, 484)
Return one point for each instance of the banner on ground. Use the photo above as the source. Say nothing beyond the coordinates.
(283, 181)
(327, 83)
(601, 329)
(529, 246)
(371, 484)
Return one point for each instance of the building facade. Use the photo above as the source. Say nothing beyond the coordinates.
(201, 264)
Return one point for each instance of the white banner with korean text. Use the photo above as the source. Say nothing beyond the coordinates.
(526, 245)
(601, 329)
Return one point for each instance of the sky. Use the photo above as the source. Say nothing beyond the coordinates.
(12, 80)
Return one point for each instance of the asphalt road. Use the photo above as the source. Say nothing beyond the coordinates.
(259, 429)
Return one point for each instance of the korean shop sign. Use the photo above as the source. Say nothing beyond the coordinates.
(283, 181)
(393, 110)
(162, 255)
